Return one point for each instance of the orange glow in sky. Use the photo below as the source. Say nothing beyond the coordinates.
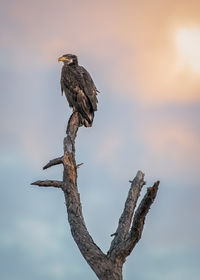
(188, 43)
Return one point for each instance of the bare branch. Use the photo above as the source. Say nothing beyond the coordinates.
(90, 251)
(48, 183)
(141, 212)
(126, 217)
(52, 162)
(125, 248)
(106, 267)
(73, 125)
(78, 165)
(72, 128)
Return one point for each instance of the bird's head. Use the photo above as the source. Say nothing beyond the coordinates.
(69, 59)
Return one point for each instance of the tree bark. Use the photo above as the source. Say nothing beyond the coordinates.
(106, 266)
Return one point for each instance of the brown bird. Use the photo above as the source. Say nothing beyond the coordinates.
(79, 89)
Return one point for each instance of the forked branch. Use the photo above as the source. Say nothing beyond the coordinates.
(131, 222)
(126, 217)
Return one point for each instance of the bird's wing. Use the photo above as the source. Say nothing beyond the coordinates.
(74, 87)
(69, 85)
(89, 87)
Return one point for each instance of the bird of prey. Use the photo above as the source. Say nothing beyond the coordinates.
(79, 88)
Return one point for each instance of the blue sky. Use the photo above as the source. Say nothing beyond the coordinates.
(147, 119)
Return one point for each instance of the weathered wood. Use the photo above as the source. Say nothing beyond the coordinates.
(90, 251)
(130, 226)
(53, 162)
(48, 183)
(124, 248)
(126, 217)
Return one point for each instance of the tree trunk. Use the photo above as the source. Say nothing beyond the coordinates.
(106, 266)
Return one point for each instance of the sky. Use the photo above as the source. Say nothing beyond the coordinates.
(144, 59)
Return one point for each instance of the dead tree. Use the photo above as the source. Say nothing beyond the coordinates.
(106, 266)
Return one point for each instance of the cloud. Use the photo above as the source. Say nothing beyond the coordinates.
(41, 246)
(108, 147)
(134, 44)
(33, 236)
(169, 145)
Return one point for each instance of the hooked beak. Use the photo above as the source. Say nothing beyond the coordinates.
(62, 58)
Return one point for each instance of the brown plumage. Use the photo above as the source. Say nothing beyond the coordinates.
(79, 89)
